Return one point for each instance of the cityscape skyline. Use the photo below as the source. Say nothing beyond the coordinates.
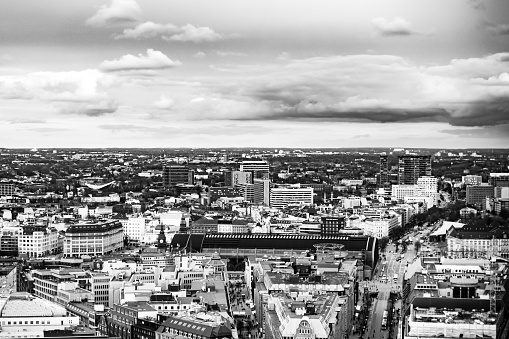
(158, 74)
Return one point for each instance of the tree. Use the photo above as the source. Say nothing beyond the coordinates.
(382, 243)
(403, 247)
(417, 246)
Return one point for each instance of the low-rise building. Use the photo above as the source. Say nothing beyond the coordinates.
(210, 325)
(23, 316)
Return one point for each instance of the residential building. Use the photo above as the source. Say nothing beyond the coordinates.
(412, 167)
(93, 238)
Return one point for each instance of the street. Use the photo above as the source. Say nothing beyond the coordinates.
(385, 272)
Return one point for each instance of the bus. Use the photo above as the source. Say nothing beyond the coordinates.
(395, 279)
(384, 320)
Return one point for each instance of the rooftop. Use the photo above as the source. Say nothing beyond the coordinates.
(25, 305)
(453, 316)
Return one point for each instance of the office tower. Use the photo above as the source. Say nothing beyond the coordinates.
(260, 169)
(235, 178)
(411, 167)
(261, 191)
(384, 170)
(247, 192)
(499, 179)
(476, 195)
(177, 175)
(282, 197)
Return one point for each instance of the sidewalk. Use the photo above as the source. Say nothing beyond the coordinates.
(362, 321)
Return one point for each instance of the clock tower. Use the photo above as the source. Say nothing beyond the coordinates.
(161, 240)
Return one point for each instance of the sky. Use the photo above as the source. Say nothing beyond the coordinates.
(254, 73)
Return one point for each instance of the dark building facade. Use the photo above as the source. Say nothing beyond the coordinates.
(331, 225)
(476, 195)
(177, 175)
(9, 245)
(383, 178)
(144, 329)
(412, 167)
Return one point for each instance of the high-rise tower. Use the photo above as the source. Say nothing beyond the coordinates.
(384, 170)
(411, 167)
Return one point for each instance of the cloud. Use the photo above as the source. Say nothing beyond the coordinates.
(480, 132)
(170, 32)
(498, 29)
(48, 129)
(477, 4)
(154, 60)
(26, 121)
(200, 54)
(164, 103)
(78, 92)
(119, 12)
(284, 56)
(195, 34)
(230, 53)
(395, 27)
(360, 136)
(148, 30)
(360, 88)
(91, 109)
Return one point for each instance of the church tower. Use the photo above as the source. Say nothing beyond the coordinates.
(161, 240)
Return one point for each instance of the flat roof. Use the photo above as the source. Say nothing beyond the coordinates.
(25, 305)
(197, 242)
